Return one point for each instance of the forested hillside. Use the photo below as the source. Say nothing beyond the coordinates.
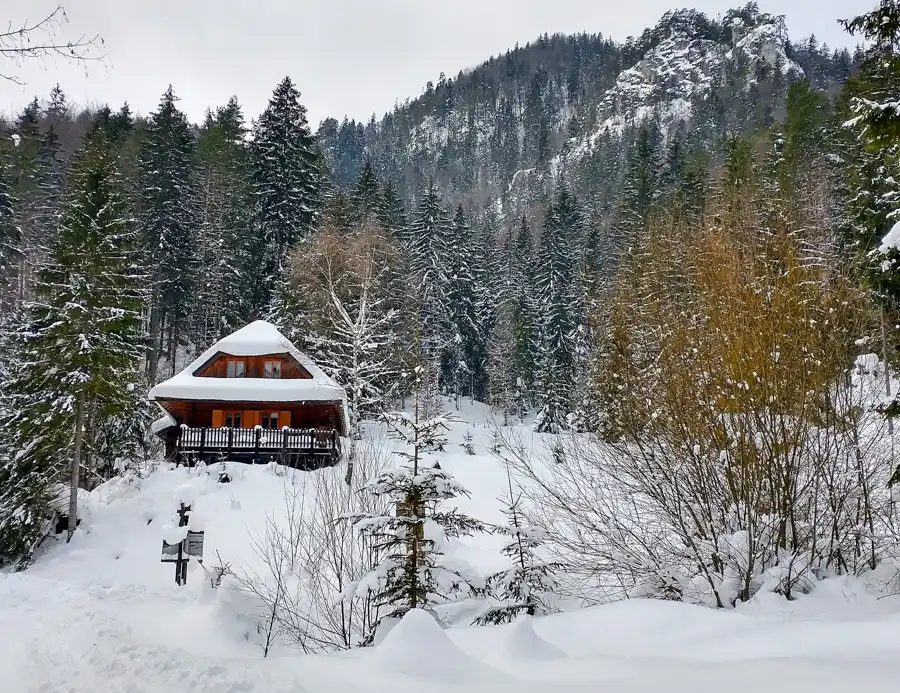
(672, 245)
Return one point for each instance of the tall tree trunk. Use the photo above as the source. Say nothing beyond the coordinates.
(76, 466)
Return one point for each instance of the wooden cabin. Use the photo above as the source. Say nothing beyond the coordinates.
(252, 397)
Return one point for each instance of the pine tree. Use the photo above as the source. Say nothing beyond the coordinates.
(526, 586)
(168, 221)
(410, 574)
(287, 186)
(75, 352)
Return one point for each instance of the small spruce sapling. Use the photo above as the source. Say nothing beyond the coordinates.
(525, 586)
(467, 443)
(409, 574)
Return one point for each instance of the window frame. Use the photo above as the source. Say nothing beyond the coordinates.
(236, 368)
(232, 417)
(266, 418)
(272, 370)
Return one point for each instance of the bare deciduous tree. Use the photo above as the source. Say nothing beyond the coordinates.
(42, 39)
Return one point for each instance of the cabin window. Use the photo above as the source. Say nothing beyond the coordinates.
(233, 419)
(273, 369)
(235, 369)
(270, 421)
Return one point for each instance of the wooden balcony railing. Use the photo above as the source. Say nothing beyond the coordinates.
(260, 442)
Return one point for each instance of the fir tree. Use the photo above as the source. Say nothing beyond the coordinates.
(168, 221)
(75, 352)
(287, 186)
(526, 586)
(409, 574)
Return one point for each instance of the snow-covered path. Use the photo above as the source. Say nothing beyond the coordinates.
(102, 614)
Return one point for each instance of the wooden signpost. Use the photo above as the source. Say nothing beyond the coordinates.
(189, 547)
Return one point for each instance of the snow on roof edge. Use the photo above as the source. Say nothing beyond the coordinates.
(259, 338)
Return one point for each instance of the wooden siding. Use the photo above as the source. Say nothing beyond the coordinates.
(254, 367)
(294, 415)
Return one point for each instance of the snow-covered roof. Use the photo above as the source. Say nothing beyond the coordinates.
(259, 338)
(162, 423)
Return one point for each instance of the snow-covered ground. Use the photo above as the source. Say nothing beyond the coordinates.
(103, 614)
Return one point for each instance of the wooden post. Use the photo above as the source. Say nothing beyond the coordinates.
(257, 434)
(202, 443)
(182, 561)
(230, 440)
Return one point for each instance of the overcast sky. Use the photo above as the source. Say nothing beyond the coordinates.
(351, 57)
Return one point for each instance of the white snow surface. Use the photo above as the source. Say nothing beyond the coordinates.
(102, 614)
(891, 239)
(259, 338)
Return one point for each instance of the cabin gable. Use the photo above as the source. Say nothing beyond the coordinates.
(274, 366)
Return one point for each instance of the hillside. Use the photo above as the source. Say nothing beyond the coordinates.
(102, 613)
(571, 105)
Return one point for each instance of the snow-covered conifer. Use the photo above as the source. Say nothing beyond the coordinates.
(287, 185)
(168, 221)
(528, 584)
(75, 352)
(410, 574)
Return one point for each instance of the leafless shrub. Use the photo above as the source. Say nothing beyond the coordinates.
(737, 445)
(311, 561)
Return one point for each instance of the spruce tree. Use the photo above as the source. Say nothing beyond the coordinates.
(524, 319)
(168, 221)
(526, 586)
(74, 353)
(10, 246)
(410, 574)
(460, 355)
(367, 197)
(223, 227)
(557, 293)
(426, 248)
(287, 186)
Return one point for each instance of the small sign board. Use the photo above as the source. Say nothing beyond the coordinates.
(170, 552)
(193, 545)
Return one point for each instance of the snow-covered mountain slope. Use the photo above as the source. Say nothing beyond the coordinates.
(102, 614)
(682, 70)
(499, 134)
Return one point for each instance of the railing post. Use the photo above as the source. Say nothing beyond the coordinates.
(202, 443)
(230, 440)
(258, 432)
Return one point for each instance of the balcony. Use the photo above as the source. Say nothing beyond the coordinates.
(301, 448)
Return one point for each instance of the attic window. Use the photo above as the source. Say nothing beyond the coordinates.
(273, 369)
(235, 369)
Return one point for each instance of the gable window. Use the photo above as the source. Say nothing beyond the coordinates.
(273, 369)
(233, 419)
(236, 369)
